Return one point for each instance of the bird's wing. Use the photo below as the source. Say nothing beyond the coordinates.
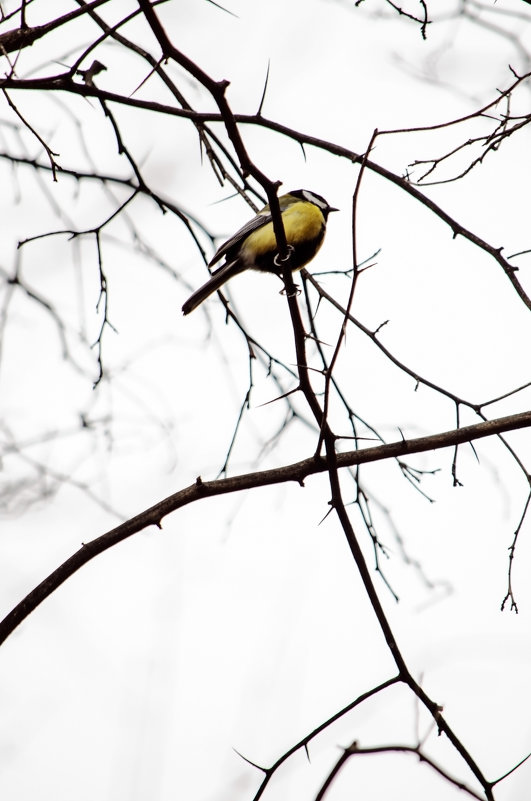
(257, 222)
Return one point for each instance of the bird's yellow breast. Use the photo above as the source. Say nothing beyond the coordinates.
(303, 223)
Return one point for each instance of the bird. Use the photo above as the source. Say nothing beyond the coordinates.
(254, 247)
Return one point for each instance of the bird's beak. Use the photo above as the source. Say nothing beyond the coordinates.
(332, 209)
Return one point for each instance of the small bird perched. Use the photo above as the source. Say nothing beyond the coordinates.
(254, 247)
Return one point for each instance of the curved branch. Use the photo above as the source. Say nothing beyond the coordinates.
(64, 82)
(205, 489)
(22, 37)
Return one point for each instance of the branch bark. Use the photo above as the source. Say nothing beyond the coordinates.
(298, 471)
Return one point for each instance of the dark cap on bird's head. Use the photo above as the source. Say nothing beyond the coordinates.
(312, 197)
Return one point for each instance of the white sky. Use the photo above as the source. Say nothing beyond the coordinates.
(243, 625)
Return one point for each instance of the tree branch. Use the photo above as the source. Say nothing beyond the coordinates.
(297, 471)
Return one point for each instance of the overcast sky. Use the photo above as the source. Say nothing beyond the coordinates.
(243, 624)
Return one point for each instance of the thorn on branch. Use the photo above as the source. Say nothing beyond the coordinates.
(249, 762)
(377, 330)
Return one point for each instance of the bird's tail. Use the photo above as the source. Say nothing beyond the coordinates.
(215, 282)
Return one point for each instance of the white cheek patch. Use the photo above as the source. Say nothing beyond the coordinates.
(317, 200)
